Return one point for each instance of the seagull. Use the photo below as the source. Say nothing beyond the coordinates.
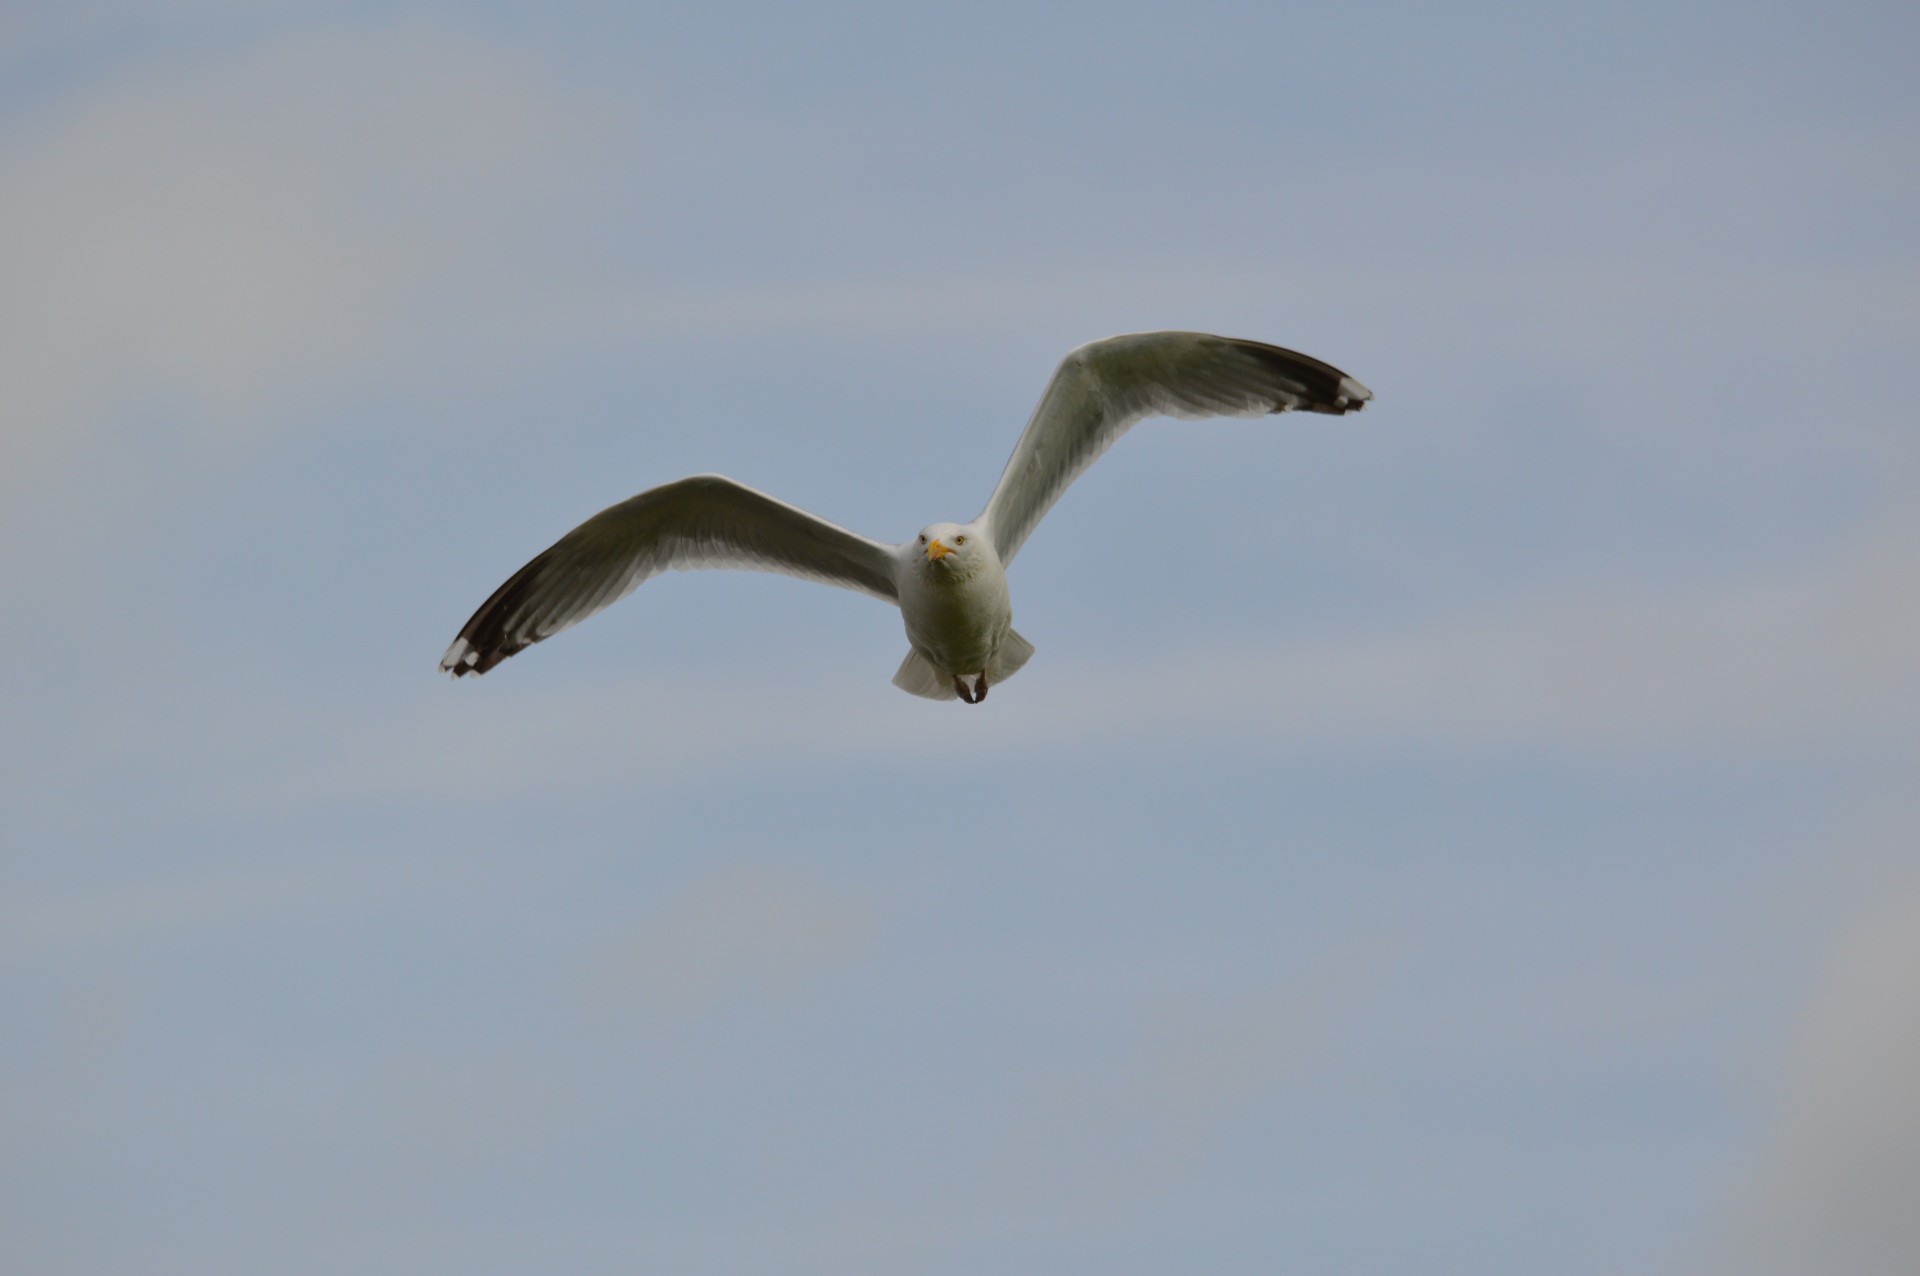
(950, 581)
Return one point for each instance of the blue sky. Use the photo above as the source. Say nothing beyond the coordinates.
(1477, 835)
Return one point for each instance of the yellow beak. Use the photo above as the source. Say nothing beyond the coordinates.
(936, 551)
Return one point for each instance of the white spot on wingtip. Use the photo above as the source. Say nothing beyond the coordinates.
(459, 656)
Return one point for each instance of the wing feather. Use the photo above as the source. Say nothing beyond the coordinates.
(1103, 388)
(704, 521)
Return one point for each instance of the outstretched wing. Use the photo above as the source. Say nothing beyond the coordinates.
(1105, 386)
(703, 521)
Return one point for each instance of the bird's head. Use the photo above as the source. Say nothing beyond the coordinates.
(952, 550)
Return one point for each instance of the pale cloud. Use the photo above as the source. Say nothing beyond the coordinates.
(1834, 1186)
(196, 902)
(1441, 269)
(1813, 657)
(38, 27)
(753, 931)
(1800, 656)
(197, 242)
(1085, 1146)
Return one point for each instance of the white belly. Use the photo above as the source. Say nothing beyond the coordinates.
(957, 625)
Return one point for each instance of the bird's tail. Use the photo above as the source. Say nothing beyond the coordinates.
(1014, 652)
(921, 677)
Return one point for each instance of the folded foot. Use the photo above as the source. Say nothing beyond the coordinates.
(969, 694)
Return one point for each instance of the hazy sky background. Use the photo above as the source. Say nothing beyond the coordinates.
(1474, 836)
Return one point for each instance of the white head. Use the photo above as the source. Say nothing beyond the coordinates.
(955, 551)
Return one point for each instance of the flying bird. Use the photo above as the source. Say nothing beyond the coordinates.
(950, 581)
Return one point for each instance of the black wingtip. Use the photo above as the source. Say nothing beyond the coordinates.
(464, 657)
(1315, 385)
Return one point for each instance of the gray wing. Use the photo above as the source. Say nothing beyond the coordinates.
(703, 521)
(1104, 387)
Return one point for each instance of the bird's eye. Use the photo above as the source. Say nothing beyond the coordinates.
(959, 540)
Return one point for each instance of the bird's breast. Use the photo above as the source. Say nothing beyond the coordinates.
(957, 624)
